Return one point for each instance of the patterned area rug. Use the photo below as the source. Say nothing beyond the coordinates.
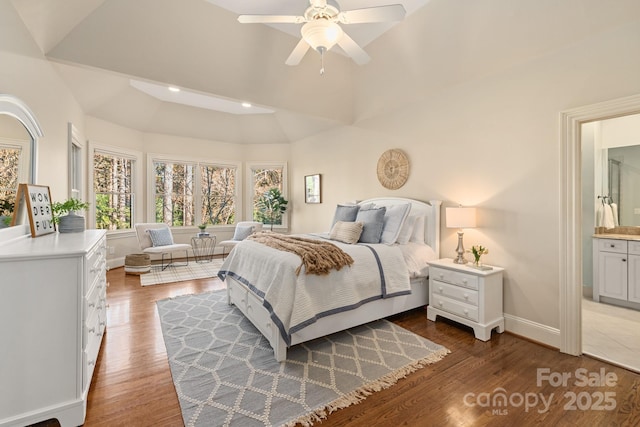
(225, 373)
(178, 273)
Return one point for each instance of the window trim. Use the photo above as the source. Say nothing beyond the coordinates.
(76, 164)
(197, 162)
(250, 167)
(136, 181)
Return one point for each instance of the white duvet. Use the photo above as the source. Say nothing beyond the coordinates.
(296, 301)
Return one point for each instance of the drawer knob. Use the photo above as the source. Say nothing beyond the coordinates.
(91, 330)
(441, 275)
(440, 289)
(466, 296)
(466, 312)
(613, 246)
(92, 304)
(92, 362)
(440, 303)
(464, 281)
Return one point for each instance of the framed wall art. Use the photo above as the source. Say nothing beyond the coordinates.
(312, 191)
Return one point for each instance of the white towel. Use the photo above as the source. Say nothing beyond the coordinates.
(614, 211)
(608, 217)
(599, 214)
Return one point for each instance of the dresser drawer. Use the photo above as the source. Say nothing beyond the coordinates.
(96, 295)
(456, 307)
(613, 245)
(237, 294)
(455, 292)
(454, 277)
(259, 316)
(96, 264)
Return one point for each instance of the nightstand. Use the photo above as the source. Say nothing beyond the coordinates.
(466, 295)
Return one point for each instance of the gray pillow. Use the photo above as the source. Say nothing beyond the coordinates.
(345, 213)
(373, 220)
(160, 236)
(242, 232)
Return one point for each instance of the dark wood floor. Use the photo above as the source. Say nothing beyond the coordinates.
(132, 384)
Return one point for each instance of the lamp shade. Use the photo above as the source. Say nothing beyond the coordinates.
(461, 217)
(321, 34)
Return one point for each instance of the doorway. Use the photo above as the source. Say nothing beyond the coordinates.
(571, 273)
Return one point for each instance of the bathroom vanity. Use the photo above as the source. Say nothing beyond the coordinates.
(616, 269)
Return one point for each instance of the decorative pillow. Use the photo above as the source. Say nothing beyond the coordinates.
(243, 231)
(373, 220)
(346, 213)
(418, 230)
(160, 236)
(406, 230)
(346, 232)
(393, 220)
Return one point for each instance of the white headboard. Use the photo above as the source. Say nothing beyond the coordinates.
(430, 210)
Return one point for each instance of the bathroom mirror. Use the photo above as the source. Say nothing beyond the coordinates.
(19, 133)
(623, 182)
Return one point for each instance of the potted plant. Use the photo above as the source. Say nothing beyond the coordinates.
(202, 232)
(6, 213)
(272, 205)
(71, 222)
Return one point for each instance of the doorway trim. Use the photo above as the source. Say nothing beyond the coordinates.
(571, 212)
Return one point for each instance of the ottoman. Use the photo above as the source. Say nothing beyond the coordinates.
(137, 264)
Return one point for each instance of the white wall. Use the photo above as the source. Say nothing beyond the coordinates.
(25, 74)
(485, 134)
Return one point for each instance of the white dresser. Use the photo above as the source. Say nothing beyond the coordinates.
(52, 320)
(466, 295)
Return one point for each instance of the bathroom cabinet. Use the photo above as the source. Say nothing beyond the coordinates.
(616, 270)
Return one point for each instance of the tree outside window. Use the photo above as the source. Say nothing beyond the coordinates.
(174, 184)
(113, 191)
(265, 179)
(218, 194)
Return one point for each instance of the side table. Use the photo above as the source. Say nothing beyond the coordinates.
(203, 247)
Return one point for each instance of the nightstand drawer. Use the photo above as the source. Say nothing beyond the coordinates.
(455, 292)
(455, 307)
(454, 277)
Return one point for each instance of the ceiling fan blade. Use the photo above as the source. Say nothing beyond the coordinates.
(298, 53)
(353, 50)
(392, 12)
(270, 19)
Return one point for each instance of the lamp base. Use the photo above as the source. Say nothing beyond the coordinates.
(460, 250)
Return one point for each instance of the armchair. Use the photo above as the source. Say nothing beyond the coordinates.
(156, 238)
(243, 230)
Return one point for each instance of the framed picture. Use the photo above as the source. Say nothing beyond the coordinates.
(312, 189)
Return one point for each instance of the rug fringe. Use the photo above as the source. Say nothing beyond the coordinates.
(360, 394)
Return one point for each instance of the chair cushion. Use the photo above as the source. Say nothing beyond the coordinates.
(160, 236)
(243, 231)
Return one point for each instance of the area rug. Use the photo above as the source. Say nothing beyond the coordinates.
(225, 373)
(181, 273)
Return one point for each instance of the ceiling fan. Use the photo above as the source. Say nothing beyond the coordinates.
(321, 30)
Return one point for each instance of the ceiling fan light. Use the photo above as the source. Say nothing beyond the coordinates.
(321, 34)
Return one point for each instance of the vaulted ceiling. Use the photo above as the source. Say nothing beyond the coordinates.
(99, 46)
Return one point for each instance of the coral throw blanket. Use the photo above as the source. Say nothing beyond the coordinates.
(318, 256)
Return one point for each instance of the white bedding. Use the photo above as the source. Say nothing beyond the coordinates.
(296, 301)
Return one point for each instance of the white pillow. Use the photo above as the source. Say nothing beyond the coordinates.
(346, 232)
(394, 217)
(418, 230)
(406, 230)
(417, 257)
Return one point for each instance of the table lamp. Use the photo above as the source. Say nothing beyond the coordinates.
(460, 218)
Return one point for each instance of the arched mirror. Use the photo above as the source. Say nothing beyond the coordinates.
(19, 133)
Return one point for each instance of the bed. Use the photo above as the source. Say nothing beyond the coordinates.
(289, 307)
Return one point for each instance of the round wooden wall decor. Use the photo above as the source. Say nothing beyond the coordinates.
(393, 169)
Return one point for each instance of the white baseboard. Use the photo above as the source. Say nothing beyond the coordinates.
(534, 331)
(115, 263)
(587, 292)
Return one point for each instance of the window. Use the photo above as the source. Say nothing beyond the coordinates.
(263, 177)
(218, 184)
(75, 164)
(188, 193)
(113, 190)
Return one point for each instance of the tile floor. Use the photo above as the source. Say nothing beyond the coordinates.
(611, 333)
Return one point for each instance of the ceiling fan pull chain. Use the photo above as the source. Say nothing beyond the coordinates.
(321, 62)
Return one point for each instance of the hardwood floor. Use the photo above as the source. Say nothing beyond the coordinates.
(132, 384)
